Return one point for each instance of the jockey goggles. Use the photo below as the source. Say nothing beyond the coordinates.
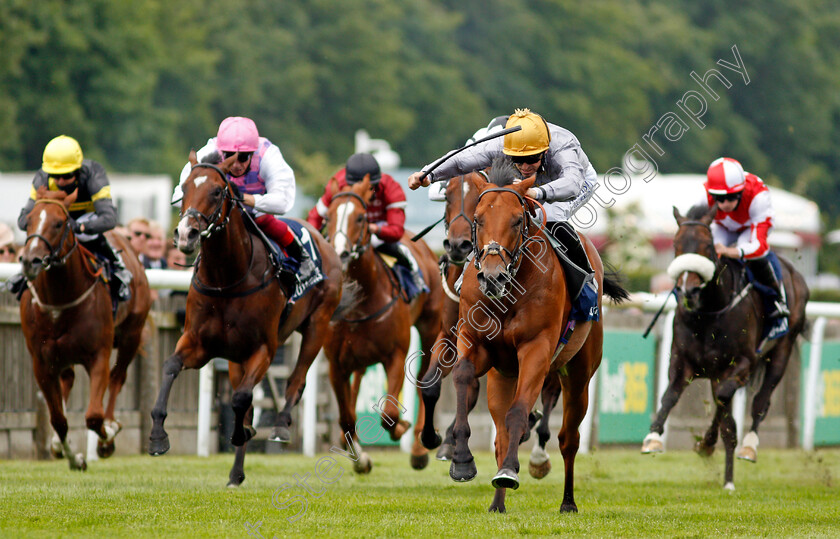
(243, 156)
(67, 176)
(727, 197)
(526, 159)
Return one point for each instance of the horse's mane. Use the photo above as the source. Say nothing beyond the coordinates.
(503, 172)
(697, 211)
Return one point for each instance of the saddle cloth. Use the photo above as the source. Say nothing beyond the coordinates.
(779, 326)
(404, 277)
(306, 240)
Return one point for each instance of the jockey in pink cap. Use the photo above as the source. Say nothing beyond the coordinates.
(266, 182)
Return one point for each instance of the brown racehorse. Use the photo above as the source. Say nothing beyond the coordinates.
(461, 199)
(376, 329)
(67, 319)
(717, 330)
(236, 308)
(514, 331)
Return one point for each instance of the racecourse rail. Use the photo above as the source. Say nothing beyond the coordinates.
(820, 311)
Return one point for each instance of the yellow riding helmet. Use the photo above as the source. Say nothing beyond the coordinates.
(62, 155)
(532, 139)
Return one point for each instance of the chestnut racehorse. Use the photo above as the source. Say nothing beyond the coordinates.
(516, 328)
(236, 307)
(717, 330)
(67, 319)
(376, 329)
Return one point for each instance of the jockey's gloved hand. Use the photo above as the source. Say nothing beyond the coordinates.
(74, 225)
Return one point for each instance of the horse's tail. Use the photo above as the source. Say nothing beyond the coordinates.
(613, 286)
(351, 294)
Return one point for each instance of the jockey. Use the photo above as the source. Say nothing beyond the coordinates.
(267, 185)
(565, 180)
(385, 212)
(742, 222)
(93, 213)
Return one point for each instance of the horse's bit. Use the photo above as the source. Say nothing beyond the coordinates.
(493, 248)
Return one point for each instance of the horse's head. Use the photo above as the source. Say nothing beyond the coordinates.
(500, 228)
(461, 199)
(49, 237)
(695, 262)
(206, 205)
(347, 225)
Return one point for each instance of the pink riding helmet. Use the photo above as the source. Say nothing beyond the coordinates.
(237, 134)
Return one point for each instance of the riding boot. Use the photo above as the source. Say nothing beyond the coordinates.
(119, 277)
(307, 267)
(572, 254)
(16, 285)
(763, 271)
(405, 259)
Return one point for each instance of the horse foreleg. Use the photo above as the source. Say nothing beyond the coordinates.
(98, 373)
(472, 362)
(728, 429)
(533, 357)
(679, 376)
(52, 390)
(539, 464)
(390, 412)
(347, 419)
(158, 439)
(243, 381)
(311, 342)
(500, 392)
(236, 476)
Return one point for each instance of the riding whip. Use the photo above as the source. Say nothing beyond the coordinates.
(655, 318)
(491, 136)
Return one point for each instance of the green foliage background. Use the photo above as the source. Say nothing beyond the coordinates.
(139, 83)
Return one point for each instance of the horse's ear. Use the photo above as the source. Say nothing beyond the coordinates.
(478, 181)
(71, 198)
(710, 215)
(193, 158)
(332, 186)
(365, 190)
(42, 192)
(227, 163)
(677, 215)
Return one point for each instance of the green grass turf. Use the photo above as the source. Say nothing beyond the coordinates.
(619, 493)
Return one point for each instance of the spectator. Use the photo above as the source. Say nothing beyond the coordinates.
(8, 250)
(139, 229)
(175, 259)
(154, 257)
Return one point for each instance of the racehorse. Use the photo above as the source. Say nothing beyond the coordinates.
(67, 319)
(519, 341)
(717, 332)
(461, 198)
(237, 309)
(376, 329)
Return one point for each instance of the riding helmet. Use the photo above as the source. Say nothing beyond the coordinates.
(361, 164)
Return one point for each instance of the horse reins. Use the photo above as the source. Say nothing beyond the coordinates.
(53, 259)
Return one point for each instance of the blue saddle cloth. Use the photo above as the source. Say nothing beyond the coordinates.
(306, 240)
(407, 282)
(779, 326)
(585, 307)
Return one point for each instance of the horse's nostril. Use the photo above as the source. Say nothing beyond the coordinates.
(192, 233)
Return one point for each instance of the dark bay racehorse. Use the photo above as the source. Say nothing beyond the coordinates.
(377, 328)
(717, 330)
(236, 307)
(517, 333)
(67, 319)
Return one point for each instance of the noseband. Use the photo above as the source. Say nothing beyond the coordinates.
(54, 258)
(494, 248)
(363, 242)
(213, 224)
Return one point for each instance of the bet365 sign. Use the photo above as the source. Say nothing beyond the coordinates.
(625, 390)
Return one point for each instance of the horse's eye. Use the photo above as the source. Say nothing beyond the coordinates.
(360, 218)
(57, 225)
(217, 192)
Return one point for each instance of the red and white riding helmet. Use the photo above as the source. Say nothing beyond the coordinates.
(725, 176)
(238, 134)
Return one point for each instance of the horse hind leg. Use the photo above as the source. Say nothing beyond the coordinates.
(311, 341)
(773, 372)
(125, 354)
(539, 464)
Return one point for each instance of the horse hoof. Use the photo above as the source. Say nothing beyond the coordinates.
(281, 434)
(538, 471)
(78, 463)
(418, 462)
(506, 478)
(748, 453)
(704, 450)
(430, 441)
(235, 481)
(462, 472)
(653, 444)
(496, 508)
(401, 427)
(364, 465)
(568, 507)
(105, 450)
(445, 452)
(57, 453)
(159, 446)
(730, 486)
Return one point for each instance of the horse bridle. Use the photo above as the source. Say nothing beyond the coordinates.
(53, 258)
(494, 248)
(363, 243)
(213, 224)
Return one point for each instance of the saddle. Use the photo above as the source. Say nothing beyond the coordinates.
(580, 279)
(400, 277)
